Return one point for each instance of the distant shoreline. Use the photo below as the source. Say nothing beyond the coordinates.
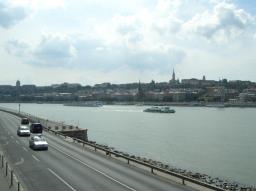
(188, 104)
(181, 104)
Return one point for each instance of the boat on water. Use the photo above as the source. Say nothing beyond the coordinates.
(85, 104)
(156, 109)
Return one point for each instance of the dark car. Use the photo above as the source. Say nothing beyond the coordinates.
(36, 128)
(24, 121)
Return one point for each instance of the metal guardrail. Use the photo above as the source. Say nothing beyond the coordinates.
(14, 183)
(152, 167)
(108, 152)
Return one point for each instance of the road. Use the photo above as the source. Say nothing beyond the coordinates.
(69, 167)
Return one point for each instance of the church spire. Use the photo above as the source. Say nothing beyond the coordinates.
(173, 75)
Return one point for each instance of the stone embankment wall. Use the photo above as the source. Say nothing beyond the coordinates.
(68, 130)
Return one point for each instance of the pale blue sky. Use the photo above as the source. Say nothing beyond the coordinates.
(81, 41)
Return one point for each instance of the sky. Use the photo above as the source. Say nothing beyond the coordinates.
(46, 42)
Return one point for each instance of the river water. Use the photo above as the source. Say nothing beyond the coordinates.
(220, 142)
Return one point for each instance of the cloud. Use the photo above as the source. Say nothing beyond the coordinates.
(17, 48)
(161, 61)
(86, 53)
(98, 55)
(10, 16)
(54, 50)
(225, 20)
(55, 47)
(167, 7)
(144, 40)
(38, 4)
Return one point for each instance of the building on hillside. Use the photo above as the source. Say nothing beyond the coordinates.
(191, 82)
(17, 84)
(197, 82)
(248, 95)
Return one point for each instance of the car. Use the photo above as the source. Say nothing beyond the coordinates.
(36, 128)
(38, 142)
(23, 130)
(24, 121)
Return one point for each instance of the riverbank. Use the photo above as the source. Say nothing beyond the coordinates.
(215, 181)
(189, 104)
(182, 104)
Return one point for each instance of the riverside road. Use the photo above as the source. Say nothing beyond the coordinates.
(69, 167)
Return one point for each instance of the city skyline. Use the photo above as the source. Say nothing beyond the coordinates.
(172, 81)
(50, 42)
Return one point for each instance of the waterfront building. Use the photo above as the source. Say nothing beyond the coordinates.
(248, 95)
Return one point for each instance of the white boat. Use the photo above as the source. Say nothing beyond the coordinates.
(156, 109)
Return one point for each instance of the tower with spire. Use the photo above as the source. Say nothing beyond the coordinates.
(173, 81)
(173, 75)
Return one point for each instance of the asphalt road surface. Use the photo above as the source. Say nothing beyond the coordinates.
(69, 167)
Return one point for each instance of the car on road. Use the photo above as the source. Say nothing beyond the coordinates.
(38, 142)
(36, 128)
(24, 121)
(23, 130)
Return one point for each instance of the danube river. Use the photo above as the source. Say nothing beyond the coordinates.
(220, 142)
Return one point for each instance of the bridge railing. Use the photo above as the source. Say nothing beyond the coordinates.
(184, 179)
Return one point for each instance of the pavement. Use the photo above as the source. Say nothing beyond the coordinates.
(4, 185)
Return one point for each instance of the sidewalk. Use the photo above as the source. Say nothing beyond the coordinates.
(4, 185)
(3, 181)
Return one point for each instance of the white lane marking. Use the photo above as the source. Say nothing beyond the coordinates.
(17, 142)
(12, 137)
(19, 162)
(35, 158)
(25, 149)
(94, 169)
(61, 179)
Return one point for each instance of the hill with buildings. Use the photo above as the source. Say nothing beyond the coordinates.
(185, 90)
